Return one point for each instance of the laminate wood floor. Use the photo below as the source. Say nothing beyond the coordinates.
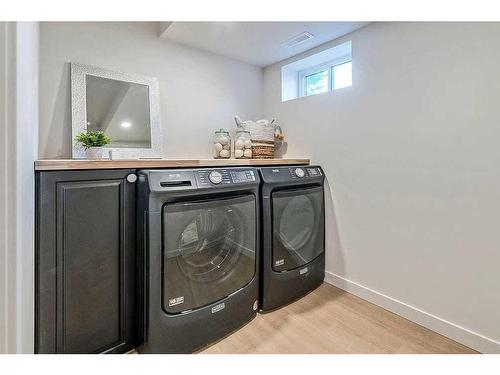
(330, 320)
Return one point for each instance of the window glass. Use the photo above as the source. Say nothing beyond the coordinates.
(317, 83)
(342, 75)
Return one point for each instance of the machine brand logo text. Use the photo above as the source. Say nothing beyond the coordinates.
(219, 307)
(279, 262)
(176, 301)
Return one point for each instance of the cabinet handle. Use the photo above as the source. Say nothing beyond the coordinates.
(132, 178)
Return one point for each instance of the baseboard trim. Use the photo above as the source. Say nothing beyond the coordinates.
(453, 331)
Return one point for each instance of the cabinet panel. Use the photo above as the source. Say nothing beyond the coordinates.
(85, 262)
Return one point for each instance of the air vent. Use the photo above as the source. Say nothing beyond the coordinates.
(301, 38)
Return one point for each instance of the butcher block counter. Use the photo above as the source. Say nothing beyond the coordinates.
(75, 164)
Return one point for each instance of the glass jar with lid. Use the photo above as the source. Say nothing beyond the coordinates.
(222, 144)
(242, 145)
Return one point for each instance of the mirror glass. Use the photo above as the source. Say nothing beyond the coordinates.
(121, 110)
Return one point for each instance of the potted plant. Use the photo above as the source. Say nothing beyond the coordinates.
(92, 142)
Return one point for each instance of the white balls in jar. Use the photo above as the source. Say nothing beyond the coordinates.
(242, 147)
(222, 151)
(222, 144)
(239, 144)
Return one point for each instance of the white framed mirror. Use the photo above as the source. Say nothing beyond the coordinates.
(125, 106)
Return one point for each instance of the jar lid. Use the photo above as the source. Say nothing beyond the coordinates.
(222, 131)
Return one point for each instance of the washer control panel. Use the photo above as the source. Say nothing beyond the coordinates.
(211, 177)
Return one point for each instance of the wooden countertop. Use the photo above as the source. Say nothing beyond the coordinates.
(72, 164)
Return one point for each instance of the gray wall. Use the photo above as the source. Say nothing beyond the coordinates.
(411, 152)
(199, 91)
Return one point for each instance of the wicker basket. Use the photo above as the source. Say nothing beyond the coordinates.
(262, 135)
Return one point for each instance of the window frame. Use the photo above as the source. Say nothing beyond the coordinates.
(326, 66)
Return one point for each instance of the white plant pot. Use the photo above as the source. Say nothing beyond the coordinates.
(94, 152)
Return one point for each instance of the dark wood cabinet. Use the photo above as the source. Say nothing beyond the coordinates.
(85, 262)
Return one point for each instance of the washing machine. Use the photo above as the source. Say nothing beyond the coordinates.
(198, 256)
(293, 233)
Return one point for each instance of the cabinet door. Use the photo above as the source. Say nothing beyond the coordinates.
(85, 260)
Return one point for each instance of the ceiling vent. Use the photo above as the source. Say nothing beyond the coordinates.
(296, 40)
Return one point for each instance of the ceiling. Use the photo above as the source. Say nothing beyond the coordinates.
(257, 43)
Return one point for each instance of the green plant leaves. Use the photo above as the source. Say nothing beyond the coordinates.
(92, 138)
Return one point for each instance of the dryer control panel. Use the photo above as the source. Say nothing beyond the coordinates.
(304, 172)
(211, 177)
(299, 173)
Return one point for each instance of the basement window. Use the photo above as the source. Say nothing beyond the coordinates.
(322, 72)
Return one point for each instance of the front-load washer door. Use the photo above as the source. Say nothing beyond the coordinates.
(208, 250)
(298, 227)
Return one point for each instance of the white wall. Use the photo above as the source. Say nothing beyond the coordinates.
(18, 150)
(199, 92)
(412, 156)
(7, 261)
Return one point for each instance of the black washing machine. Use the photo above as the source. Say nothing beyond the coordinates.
(293, 233)
(199, 255)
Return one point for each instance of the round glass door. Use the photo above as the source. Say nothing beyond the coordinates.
(208, 251)
(298, 227)
(297, 223)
